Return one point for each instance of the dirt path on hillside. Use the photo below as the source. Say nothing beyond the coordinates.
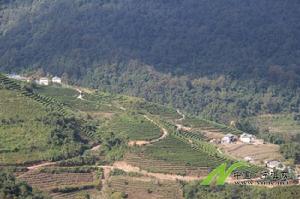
(95, 148)
(181, 114)
(143, 142)
(37, 166)
(122, 165)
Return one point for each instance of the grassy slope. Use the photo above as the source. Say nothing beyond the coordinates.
(21, 137)
(26, 139)
(136, 127)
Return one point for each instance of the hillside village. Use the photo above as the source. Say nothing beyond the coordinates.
(250, 139)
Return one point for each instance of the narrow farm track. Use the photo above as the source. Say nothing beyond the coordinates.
(122, 165)
(34, 167)
(181, 114)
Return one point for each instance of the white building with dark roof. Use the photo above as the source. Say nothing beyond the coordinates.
(228, 138)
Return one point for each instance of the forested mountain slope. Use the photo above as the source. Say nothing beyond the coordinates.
(172, 43)
(202, 36)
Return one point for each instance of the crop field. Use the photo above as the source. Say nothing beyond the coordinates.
(205, 125)
(135, 126)
(146, 188)
(259, 153)
(173, 155)
(177, 151)
(22, 136)
(279, 123)
(48, 181)
(82, 194)
(157, 109)
(93, 102)
(160, 166)
(23, 89)
(64, 182)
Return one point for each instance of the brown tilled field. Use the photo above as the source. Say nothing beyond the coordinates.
(48, 181)
(146, 188)
(259, 153)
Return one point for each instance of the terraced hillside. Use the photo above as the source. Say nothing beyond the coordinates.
(125, 116)
(169, 151)
(147, 188)
(24, 136)
(34, 127)
(25, 90)
(68, 182)
(283, 124)
(112, 113)
(208, 126)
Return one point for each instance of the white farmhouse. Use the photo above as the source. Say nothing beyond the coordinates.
(228, 138)
(247, 138)
(43, 81)
(56, 80)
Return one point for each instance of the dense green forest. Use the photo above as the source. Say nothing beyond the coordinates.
(219, 98)
(222, 59)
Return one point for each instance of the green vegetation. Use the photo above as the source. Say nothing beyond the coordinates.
(27, 90)
(193, 55)
(291, 151)
(11, 188)
(113, 146)
(176, 151)
(93, 102)
(203, 124)
(286, 125)
(282, 129)
(135, 126)
(35, 127)
(132, 187)
(24, 136)
(187, 46)
(196, 191)
(83, 169)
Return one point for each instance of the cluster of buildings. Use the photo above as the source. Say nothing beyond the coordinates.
(245, 138)
(45, 81)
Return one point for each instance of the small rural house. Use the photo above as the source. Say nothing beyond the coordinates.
(56, 80)
(247, 138)
(228, 138)
(274, 164)
(43, 81)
